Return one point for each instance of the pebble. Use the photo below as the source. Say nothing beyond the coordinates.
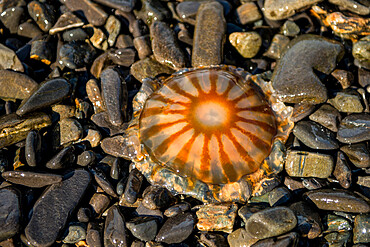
(248, 13)
(75, 55)
(282, 9)
(93, 137)
(143, 228)
(9, 60)
(113, 27)
(124, 41)
(58, 199)
(70, 130)
(76, 34)
(209, 35)
(29, 30)
(277, 46)
(240, 238)
(93, 92)
(346, 78)
(94, 236)
(216, 217)
(152, 10)
(102, 121)
(338, 238)
(10, 213)
(93, 13)
(133, 185)
(31, 179)
(148, 67)
(33, 148)
(11, 18)
(212, 240)
(112, 95)
(246, 43)
(84, 215)
(308, 164)
(347, 101)
(361, 52)
(361, 229)
(271, 222)
(176, 209)
(166, 50)
(86, 158)
(123, 56)
(301, 110)
(342, 172)
(335, 223)
(279, 196)
(308, 220)
(176, 229)
(354, 128)
(99, 203)
(338, 200)
(290, 29)
(48, 93)
(187, 11)
(289, 239)
(363, 77)
(66, 21)
(99, 39)
(41, 50)
(74, 233)
(155, 197)
(64, 158)
(43, 14)
(327, 116)
(15, 85)
(353, 6)
(103, 182)
(312, 50)
(358, 154)
(114, 228)
(124, 5)
(143, 47)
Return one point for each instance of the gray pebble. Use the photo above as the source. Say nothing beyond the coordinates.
(176, 229)
(11, 18)
(327, 116)
(358, 154)
(31, 179)
(278, 44)
(9, 59)
(133, 186)
(74, 35)
(33, 148)
(143, 228)
(155, 197)
(99, 203)
(114, 228)
(289, 239)
(93, 13)
(63, 159)
(279, 196)
(361, 228)
(354, 128)
(309, 221)
(86, 158)
(10, 213)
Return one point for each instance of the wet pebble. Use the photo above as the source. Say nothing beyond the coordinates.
(217, 217)
(361, 229)
(361, 52)
(353, 6)
(10, 213)
(124, 41)
(278, 44)
(47, 94)
(70, 130)
(113, 27)
(63, 159)
(152, 10)
(308, 220)
(29, 30)
(309, 164)
(11, 18)
(166, 50)
(60, 199)
(148, 67)
(346, 78)
(74, 233)
(33, 148)
(123, 56)
(114, 228)
(99, 39)
(15, 85)
(338, 200)
(290, 29)
(31, 179)
(315, 136)
(93, 13)
(176, 229)
(335, 223)
(124, 5)
(312, 50)
(240, 238)
(248, 13)
(209, 35)
(94, 236)
(143, 228)
(271, 222)
(279, 196)
(279, 10)
(155, 197)
(358, 154)
(86, 158)
(143, 46)
(102, 180)
(176, 209)
(289, 239)
(84, 215)
(66, 21)
(327, 116)
(42, 13)
(213, 240)
(133, 186)
(342, 172)
(77, 54)
(354, 128)
(76, 34)
(99, 203)
(246, 43)
(347, 101)
(9, 60)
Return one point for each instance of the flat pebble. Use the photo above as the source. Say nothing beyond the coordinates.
(246, 43)
(335, 223)
(113, 27)
(123, 56)
(358, 154)
(43, 14)
(74, 233)
(29, 30)
(327, 116)
(240, 238)
(99, 203)
(176, 209)
(47, 94)
(271, 222)
(143, 46)
(316, 53)
(338, 200)
(282, 9)
(279, 196)
(152, 10)
(11, 18)
(63, 159)
(10, 213)
(102, 180)
(301, 110)
(214, 217)
(9, 60)
(209, 35)
(74, 35)
(143, 228)
(309, 164)
(66, 21)
(124, 5)
(58, 200)
(342, 172)
(354, 128)
(315, 136)
(94, 14)
(77, 54)
(94, 236)
(86, 158)
(33, 148)
(347, 101)
(155, 197)
(290, 29)
(248, 13)
(70, 130)
(165, 47)
(361, 232)
(148, 67)
(133, 185)
(31, 179)
(15, 85)
(346, 78)
(309, 222)
(353, 6)
(176, 229)
(114, 228)
(360, 51)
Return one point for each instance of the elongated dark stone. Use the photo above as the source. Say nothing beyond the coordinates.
(33, 147)
(32, 179)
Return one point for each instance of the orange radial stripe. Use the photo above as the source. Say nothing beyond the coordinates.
(186, 125)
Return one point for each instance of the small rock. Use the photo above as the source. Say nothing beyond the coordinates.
(70, 130)
(43, 14)
(282, 9)
(240, 238)
(99, 39)
(345, 77)
(358, 154)
(66, 21)
(290, 29)
(124, 41)
(114, 228)
(99, 203)
(84, 215)
(327, 116)
(363, 77)
(33, 148)
(347, 101)
(124, 5)
(209, 35)
(301, 110)
(10, 213)
(41, 50)
(176, 209)
(289, 239)
(93, 137)
(86, 158)
(9, 60)
(93, 92)
(277, 46)
(342, 172)
(77, 34)
(74, 233)
(361, 52)
(354, 128)
(15, 85)
(338, 200)
(361, 233)
(152, 10)
(335, 223)
(143, 46)
(113, 27)
(353, 6)
(217, 217)
(103, 182)
(60, 112)
(271, 222)
(338, 238)
(123, 56)
(29, 30)
(246, 43)
(31, 179)
(308, 164)
(309, 221)
(93, 13)
(248, 13)
(279, 196)
(77, 54)
(11, 18)
(176, 229)
(62, 159)
(148, 67)
(155, 197)
(133, 186)
(143, 228)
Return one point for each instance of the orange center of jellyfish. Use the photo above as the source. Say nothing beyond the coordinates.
(204, 125)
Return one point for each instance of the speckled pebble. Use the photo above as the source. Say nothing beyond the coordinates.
(246, 43)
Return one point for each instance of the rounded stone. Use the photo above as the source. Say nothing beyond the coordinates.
(361, 230)
(246, 43)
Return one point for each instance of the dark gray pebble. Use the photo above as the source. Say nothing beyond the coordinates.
(93, 13)
(315, 136)
(124, 5)
(84, 215)
(33, 148)
(77, 54)
(47, 94)
(143, 211)
(354, 128)
(74, 35)
(176, 229)
(29, 30)
(114, 229)
(279, 196)
(155, 197)
(143, 228)
(123, 56)
(99, 203)
(51, 211)
(177, 209)
(211, 239)
(32, 179)
(101, 120)
(309, 222)
(358, 154)
(86, 158)
(102, 180)
(327, 116)
(152, 10)
(64, 158)
(133, 186)
(10, 213)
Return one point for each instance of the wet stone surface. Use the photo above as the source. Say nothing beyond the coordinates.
(10, 213)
